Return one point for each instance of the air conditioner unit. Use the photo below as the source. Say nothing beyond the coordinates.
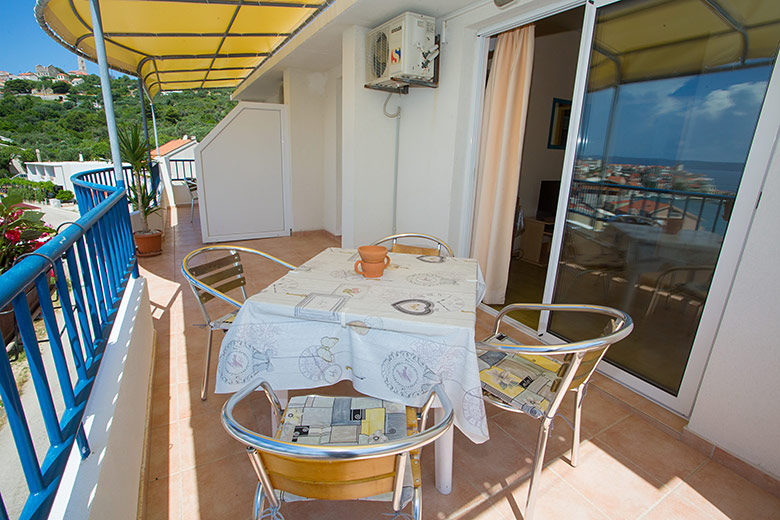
(401, 51)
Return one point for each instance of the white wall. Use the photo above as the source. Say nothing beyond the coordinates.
(304, 93)
(331, 150)
(367, 150)
(244, 181)
(555, 62)
(436, 163)
(184, 152)
(180, 193)
(107, 483)
(312, 98)
(737, 405)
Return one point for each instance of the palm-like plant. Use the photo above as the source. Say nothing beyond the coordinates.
(134, 150)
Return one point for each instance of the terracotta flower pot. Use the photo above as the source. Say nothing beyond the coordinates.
(372, 253)
(148, 244)
(673, 225)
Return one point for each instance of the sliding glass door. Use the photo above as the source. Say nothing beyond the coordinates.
(673, 95)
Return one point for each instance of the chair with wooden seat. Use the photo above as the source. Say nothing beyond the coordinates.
(396, 247)
(338, 448)
(212, 272)
(534, 379)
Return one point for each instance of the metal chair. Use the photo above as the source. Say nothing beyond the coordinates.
(415, 250)
(193, 187)
(682, 280)
(586, 253)
(526, 379)
(327, 448)
(217, 275)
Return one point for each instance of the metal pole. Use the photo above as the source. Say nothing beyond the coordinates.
(146, 125)
(105, 87)
(154, 126)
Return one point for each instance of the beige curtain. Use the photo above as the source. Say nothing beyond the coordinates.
(501, 145)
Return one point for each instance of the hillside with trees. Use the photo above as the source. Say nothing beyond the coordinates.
(75, 123)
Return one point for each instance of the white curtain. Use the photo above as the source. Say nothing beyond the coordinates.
(501, 146)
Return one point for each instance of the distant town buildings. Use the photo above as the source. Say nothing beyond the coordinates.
(73, 77)
(46, 72)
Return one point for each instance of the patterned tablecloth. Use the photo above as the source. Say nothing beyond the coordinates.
(395, 337)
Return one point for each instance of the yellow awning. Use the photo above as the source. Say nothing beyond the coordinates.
(642, 41)
(180, 44)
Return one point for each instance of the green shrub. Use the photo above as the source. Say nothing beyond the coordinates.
(29, 190)
(65, 196)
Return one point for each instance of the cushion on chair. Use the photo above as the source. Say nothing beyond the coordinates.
(225, 321)
(326, 420)
(523, 381)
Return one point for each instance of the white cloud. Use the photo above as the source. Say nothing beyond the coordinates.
(737, 97)
(658, 95)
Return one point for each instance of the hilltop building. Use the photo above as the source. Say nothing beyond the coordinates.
(46, 72)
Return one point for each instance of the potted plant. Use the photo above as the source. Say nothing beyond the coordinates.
(134, 150)
(21, 231)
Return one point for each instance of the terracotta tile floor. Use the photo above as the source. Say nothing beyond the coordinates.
(632, 464)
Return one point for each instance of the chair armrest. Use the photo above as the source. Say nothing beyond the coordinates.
(262, 442)
(622, 325)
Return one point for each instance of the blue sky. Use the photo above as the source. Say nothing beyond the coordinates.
(710, 117)
(23, 44)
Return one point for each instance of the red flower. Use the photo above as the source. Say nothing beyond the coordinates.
(12, 235)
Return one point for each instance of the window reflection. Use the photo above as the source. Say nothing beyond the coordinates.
(674, 94)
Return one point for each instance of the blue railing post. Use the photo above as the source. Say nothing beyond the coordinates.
(37, 370)
(19, 427)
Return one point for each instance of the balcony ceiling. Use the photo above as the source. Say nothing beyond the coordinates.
(181, 44)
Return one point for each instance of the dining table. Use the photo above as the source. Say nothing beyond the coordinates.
(394, 337)
(650, 248)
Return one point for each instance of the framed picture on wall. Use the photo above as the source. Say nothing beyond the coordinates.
(559, 123)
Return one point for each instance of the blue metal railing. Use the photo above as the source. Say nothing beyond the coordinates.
(655, 205)
(182, 169)
(87, 264)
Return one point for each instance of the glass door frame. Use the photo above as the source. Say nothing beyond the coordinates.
(756, 169)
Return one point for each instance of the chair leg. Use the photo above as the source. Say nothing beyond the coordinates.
(536, 473)
(259, 501)
(192, 210)
(652, 304)
(204, 388)
(575, 443)
(417, 503)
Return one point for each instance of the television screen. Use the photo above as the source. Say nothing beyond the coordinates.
(548, 200)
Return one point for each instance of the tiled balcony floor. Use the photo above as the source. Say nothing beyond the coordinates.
(632, 464)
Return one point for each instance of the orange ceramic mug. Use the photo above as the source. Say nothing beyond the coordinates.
(371, 269)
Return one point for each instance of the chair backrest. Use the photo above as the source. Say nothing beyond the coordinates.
(334, 472)
(579, 359)
(192, 186)
(416, 250)
(213, 271)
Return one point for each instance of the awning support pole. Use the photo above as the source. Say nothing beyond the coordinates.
(154, 127)
(105, 87)
(143, 118)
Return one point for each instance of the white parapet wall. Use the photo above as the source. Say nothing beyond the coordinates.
(108, 483)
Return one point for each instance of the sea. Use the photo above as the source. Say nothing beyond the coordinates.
(725, 176)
